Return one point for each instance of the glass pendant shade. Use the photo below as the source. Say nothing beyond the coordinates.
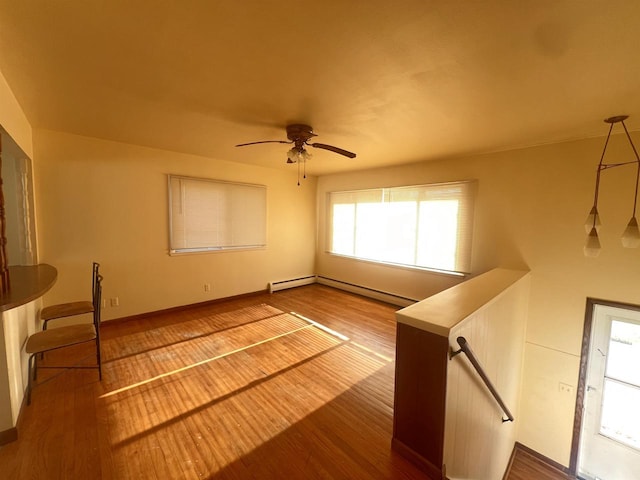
(631, 235)
(292, 155)
(592, 247)
(593, 220)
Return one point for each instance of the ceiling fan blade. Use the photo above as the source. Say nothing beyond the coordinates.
(263, 141)
(333, 149)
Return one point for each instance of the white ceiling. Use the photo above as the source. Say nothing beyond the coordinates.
(394, 81)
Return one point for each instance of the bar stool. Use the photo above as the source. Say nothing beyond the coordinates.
(66, 336)
(70, 309)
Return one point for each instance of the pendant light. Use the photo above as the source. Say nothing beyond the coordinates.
(631, 234)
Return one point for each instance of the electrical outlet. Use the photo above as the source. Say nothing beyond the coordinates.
(565, 388)
(207, 287)
(115, 302)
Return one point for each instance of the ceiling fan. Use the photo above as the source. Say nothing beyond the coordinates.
(299, 135)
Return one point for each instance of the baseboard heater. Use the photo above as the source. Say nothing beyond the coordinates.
(291, 283)
(367, 292)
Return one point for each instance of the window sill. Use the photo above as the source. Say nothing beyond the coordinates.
(180, 253)
(401, 266)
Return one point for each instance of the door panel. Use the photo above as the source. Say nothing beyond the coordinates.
(610, 437)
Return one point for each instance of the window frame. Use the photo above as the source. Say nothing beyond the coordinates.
(467, 196)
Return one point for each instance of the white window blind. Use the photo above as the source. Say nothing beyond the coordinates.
(427, 226)
(208, 215)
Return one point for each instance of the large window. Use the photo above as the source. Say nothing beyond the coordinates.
(426, 226)
(209, 215)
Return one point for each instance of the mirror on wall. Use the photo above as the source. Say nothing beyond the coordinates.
(17, 186)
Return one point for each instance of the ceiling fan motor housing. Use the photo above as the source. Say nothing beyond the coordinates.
(299, 133)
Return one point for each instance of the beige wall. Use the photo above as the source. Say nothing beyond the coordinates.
(530, 210)
(13, 119)
(107, 201)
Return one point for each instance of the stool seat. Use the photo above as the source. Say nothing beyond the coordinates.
(60, 337)
(66, 310)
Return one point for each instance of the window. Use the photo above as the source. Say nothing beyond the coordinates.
(621, 395)
(426, 226)
(209, 215)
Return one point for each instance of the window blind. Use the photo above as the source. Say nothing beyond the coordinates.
(427, 226)
(209, 215)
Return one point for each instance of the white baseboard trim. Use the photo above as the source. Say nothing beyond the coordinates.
(367, 292)
(291, 283)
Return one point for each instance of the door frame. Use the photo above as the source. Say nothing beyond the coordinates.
(582, 377)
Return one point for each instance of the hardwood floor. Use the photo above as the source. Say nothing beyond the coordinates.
(238, 390)
(526, 466)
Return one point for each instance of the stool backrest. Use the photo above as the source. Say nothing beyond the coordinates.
(96, 268)
(97, 299)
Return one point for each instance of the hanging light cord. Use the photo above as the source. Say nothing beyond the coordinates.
(603, 166)
(635, 197)
(600, 168)
(631, 235)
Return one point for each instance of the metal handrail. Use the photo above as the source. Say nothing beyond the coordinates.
(464, 347)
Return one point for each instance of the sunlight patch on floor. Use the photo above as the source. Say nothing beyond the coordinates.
(344, 338)
(296, 369)
(197, 364)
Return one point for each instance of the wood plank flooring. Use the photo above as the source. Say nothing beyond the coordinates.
(242, 389)
(527, 467)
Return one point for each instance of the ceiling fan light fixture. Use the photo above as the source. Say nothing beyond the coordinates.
(297, 154)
